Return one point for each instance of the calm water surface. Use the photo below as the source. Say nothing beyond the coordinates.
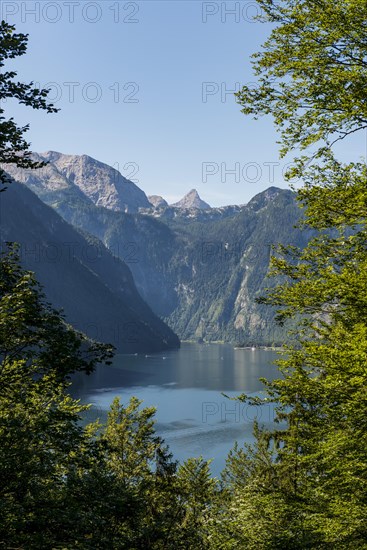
(186, 386)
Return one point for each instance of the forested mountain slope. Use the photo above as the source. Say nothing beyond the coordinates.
(95, 289)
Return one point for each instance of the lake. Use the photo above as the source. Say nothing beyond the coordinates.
(186, 386)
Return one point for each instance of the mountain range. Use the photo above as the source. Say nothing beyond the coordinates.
(200, 269)
(80, 275)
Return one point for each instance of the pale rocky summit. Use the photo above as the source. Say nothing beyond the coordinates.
(157, 201)
(192, 200)
(101, 183)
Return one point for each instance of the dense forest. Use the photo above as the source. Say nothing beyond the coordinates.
(302, 486)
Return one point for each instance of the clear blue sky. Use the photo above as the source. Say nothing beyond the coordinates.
(130, 78)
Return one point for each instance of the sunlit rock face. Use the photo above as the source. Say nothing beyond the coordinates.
(102, 184)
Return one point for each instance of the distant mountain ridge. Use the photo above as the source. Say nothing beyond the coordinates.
(100, 183)
(95, 289)
(200, 270)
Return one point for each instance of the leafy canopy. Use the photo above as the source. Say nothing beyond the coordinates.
(311, 72)
(305, 484)
(14, 149)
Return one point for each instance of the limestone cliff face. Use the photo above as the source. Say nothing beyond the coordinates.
(101, 183)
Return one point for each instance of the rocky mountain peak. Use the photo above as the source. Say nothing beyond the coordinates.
(49, 156)
(157, 201)
(101, 183)
(192, 200)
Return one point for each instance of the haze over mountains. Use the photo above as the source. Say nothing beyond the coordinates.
(95, 289)
(200, 269)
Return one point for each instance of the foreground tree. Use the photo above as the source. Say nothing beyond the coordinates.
(39, 423)
(306, 483)
(14, 149)
(62, 485)
(311, 72)
(198, 492)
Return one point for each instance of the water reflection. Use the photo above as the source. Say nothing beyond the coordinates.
(185, 385)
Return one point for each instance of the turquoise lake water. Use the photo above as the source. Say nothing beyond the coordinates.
(186, 386)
